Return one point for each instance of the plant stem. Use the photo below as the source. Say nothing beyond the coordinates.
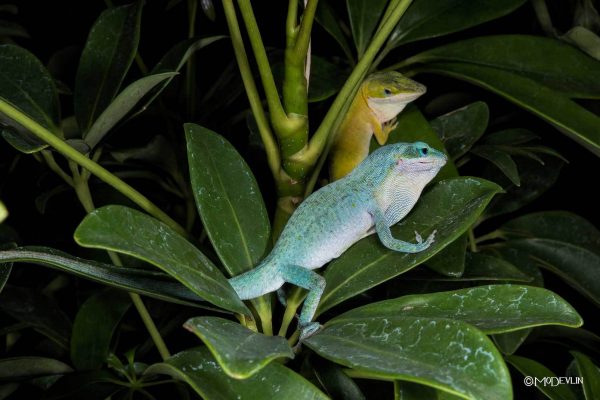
(273, 157)
(293, 302)
(82, 189)
(497, 234)
(343, 99)
(70, 153)
(472, 241)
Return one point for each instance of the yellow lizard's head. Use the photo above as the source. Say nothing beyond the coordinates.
(387, 93)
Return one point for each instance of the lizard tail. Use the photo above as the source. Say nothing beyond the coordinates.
(263, 279)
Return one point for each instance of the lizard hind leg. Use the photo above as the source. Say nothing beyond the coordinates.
(315, 284)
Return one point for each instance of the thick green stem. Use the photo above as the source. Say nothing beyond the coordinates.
(62, 147)
(293, 302)
(150, 326)
(472, 241)
(271, 148)
(319, 140)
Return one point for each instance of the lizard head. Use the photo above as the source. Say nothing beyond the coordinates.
(417, 160)
(387, 93)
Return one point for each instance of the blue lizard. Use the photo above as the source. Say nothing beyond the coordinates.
(377, 194)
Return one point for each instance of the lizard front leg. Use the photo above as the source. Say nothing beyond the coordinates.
(385, 236)
(313, 282)
(382, 131)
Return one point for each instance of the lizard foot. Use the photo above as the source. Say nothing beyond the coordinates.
(425, 244)
(308, 330)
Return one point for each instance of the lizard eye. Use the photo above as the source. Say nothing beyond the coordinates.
(387, 91)
(423, 151)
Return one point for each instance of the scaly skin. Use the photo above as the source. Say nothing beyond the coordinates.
(374, 196)
(379, 99)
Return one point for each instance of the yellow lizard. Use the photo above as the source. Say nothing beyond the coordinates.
(380, 98)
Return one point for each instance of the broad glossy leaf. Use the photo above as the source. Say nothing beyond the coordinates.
(585, 39)
(491, 308)
(413, 391)
(449, 355)
(570, 339)
(500, 159)
(589, 373)
(364, 17)
(555, 225)
(38, 311)
(531, 368)
(461, 128)
(478, 267)
(108, 53)
(26, 84)
(426, 19)
(198, 369)
(327, 18)
(174, 60)
(228, 199)
(567, 116)
(148, 283)
(239, 351)
(30, 367)
(326, 79)
(536, 179)
(134, 233)
(336, 383)
(94, 327)
(576, 265)
(450, 207)
(121, 105)
(550, 62)
(509, 137)
(450, 262)
(509, 342)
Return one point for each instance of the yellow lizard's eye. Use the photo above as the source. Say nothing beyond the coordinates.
(387, 91)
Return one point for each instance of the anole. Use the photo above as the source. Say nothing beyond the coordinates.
(374, 196)
(380, 98)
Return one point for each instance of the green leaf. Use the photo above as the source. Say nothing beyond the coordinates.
(536, 179)
(108, 53)
(590, 375)
(94, 326)
(331, 22)
(450, 207)
(450, 261)
(239, 351)
(425, 19)
(491, 308)
(480, 266)
(121, 105)
(555, 225)
(509, 342)
(442, 353)
(461, 128)
(228, 199)
(534, 370)
(336, 383)
(131, 232)
(413, 391)
(90, 385)
(148, 283)
(567, 116)
(364, 17)
(510, 137)
(549, 62)
(326, 79)
(26, 84)
(576, 265)
(38, 311)
(18, 368)
(198, 369)
(500, 159)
